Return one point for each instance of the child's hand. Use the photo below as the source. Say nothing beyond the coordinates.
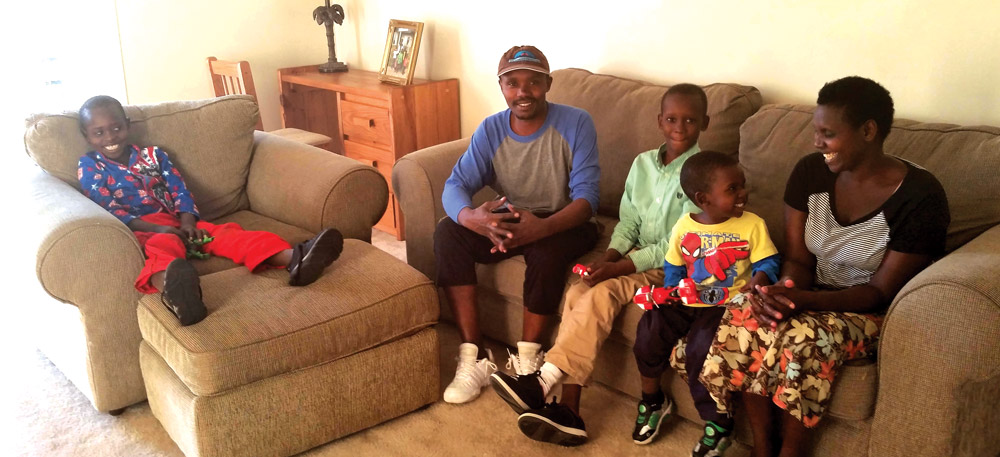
(190, 233)
(190, 228)
(171, 230)
(601, 270)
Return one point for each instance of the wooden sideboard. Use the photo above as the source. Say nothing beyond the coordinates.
(372, 122)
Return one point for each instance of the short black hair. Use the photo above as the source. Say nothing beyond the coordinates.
(687, 89)
(95, 102)
(861, 99)
(698, 171)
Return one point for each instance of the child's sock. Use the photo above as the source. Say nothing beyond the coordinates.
(654, 399)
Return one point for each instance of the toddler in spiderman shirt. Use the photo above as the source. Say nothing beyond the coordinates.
(140, 187)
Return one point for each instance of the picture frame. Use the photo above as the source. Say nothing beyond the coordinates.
(401, 47)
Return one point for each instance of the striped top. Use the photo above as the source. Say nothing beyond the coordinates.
(914, 220)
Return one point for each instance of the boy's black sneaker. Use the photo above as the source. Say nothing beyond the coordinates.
(520, 392)
(309, 258)
(713, 442)
(182, 292)
(553, 423)
(649, 419)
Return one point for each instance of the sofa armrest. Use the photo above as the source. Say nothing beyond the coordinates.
(939, 358)
(313, 188)
(83, 255)
(87, 258)
(418, 181)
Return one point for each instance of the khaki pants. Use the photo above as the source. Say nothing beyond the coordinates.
(587, 319)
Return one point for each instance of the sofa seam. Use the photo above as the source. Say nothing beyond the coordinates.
(174, 337)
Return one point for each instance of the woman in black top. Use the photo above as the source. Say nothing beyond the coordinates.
(858, 225)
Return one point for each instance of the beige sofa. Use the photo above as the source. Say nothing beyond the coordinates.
(933, 390)
(82, 306)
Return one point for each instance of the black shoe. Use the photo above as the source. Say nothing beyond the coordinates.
(309, 258)
(713, 442)
(520, 392)
(182, 292)
(649, 419)
(554, 423)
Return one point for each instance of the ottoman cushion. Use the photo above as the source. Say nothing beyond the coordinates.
(258, 326)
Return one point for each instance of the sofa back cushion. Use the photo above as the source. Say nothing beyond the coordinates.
(209, 141)
(624, 113)
(964, 159)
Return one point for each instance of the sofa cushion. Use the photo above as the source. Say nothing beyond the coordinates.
(624, 113)
(778, 135)
(258, 326)
(209, 141)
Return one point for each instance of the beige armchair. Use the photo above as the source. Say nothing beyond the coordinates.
(82, 308)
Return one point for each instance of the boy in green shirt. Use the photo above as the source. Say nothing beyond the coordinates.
(650, 206)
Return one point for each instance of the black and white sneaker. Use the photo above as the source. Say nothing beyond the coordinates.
(520, 392)
(713, 442)
(182, 292)
(649, 420)
(309, 258)
(553, 423)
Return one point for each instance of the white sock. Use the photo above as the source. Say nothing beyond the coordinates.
(528, 349)
(550, 376)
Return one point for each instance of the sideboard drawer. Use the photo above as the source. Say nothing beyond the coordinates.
(366, 124)
(376, 123)
(380, 159)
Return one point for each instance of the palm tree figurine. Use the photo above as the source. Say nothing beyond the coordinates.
(327, 15)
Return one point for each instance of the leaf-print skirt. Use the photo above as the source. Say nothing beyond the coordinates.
(794, 365)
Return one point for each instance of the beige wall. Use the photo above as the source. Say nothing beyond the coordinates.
(940, 60)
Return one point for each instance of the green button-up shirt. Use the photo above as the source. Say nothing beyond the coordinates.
(651, 204)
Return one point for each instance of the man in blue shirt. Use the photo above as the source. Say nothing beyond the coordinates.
(541, 158)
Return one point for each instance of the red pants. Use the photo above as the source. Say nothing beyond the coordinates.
(249, 248)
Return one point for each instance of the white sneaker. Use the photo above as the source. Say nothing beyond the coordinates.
(528, 359)
(470, 376)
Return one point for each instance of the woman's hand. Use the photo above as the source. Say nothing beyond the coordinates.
(773, 304)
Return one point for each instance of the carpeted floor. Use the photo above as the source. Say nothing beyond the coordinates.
(43, 414)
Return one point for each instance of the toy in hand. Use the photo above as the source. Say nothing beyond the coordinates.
(581, 270)
(194, 248)
(648, 297)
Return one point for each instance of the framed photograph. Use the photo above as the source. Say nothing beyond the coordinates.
(401, 46)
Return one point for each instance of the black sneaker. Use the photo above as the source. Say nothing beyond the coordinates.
(649, 419)
(553, 423)
(713, 442)
(520, 392)
(182, 292)
(309, 258)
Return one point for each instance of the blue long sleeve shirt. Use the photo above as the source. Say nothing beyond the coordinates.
(541, 172)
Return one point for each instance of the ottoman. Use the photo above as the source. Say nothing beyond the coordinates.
(275, 370)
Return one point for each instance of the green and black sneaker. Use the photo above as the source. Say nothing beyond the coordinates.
(649, 419)
(713, 442)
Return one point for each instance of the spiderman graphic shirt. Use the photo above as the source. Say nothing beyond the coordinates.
(720, 258)
(148, 184)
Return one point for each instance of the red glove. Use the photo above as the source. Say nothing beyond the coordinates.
(721, 257)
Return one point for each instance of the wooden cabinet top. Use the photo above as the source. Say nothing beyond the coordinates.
(359, 82)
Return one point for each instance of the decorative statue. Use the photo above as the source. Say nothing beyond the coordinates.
(327, 15)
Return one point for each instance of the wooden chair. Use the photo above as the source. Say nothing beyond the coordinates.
(230, 78)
